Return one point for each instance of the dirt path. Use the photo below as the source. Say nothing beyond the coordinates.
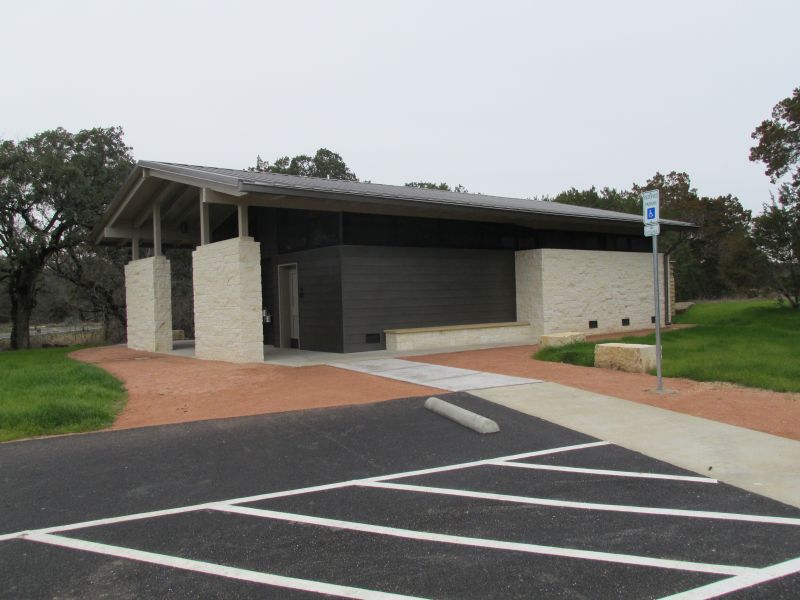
(171, 389)
(771, 412)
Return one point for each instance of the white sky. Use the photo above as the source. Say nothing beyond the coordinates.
(507, 98)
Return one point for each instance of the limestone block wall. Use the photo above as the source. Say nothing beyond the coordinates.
(148, 297)
(562, 290)
(530, 302)
(227, 301)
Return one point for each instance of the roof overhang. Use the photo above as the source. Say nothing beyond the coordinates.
(176, 189)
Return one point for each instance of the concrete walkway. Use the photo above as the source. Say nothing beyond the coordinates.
(758, 462)
(754, 461)
(446, 378)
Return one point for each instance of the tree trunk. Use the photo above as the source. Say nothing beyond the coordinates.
(22, 289)
(21, 309)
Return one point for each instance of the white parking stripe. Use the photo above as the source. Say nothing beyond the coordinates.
(197, 566)
(171, 511)
(740, 582)
(284, 493)
(478, 463)
(427, 536)
(674, 512)
(507, 463)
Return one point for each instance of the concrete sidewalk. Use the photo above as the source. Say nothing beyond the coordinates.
(445, 378)
(758, 462)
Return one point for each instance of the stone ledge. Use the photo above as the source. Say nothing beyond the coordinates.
(431, 338)
(554, 340)
(634, 358)
(458, 327)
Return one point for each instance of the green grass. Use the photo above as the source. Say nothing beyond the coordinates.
(43, 392)
(754, 343)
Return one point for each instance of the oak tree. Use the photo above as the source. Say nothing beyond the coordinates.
(325, 163)
(53, 188)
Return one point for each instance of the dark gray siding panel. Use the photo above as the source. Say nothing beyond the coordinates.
(319, 279)
(264, 227)
(387, 288)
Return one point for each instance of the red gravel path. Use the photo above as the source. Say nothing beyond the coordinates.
(173, 389)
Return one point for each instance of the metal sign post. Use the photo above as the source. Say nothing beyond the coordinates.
(651, 229)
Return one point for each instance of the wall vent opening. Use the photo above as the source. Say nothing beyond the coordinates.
(626, 322)
(373, 338)
(652, 320)
(592, 324)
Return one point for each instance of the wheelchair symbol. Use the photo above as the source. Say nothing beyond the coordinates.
(651, 213)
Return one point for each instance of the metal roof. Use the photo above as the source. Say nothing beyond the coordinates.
(240, 183)
(253, 181)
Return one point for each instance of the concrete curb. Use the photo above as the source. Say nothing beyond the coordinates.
(461, 416)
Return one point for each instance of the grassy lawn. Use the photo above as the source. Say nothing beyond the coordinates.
(44, 392)
(754, 343)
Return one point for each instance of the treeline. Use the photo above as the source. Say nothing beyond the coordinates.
(719, 259)
(55, 186)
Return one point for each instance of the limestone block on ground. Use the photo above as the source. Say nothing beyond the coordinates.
(561, 339)
(178, 335)
(635, 358)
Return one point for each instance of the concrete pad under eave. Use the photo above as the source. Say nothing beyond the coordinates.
(758, 462)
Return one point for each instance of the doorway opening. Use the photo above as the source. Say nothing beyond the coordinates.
(288, 306)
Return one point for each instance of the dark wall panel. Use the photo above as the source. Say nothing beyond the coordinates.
(320, 286)
(388, 288)
(264, 229)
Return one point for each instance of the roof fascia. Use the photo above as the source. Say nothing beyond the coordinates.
(633, 221)
(134, 181)
(224, 184)
(141, 172)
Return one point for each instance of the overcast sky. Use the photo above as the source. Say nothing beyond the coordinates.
(508, 98)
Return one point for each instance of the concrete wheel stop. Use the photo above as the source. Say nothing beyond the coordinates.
(462, 416)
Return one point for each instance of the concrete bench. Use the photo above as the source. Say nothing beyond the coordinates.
(555, 340)
(451, 336)
(635, 358)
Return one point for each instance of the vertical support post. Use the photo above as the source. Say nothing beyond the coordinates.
(157, 230)
(657, 301)
(134, 248)
(205, 226)
(667, 291)
(243, 225)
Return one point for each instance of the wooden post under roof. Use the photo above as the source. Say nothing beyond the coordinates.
(243, 225)
(205, 226)
(157, 230)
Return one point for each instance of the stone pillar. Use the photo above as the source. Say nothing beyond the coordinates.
(148, 297)
(227, 301)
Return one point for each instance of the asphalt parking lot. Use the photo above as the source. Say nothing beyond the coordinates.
(378, 501)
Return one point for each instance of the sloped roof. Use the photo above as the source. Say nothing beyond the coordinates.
(258, 181)
(171, 184)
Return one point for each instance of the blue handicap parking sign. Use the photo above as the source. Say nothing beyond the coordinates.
(651, 213)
